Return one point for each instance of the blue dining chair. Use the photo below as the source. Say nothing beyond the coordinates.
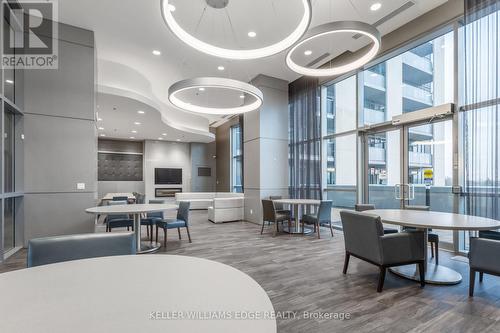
(152, 218)
(181, 221)
(118, 220)
(323, 217)
(49, 250)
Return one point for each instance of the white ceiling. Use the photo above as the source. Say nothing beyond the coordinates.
(126, 32)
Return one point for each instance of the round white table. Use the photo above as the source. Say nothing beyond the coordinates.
(149, 293)
(136, 210)
(424, 220)
(296, 203)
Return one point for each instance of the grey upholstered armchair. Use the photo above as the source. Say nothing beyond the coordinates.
(483, 258)
(48, 250)
(364, 238)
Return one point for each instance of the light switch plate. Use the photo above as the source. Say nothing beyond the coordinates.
(80, 186)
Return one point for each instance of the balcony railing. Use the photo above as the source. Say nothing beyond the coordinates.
(420, 63)
(376, 155)
(420, 159)
(374, 116)
(417, 94)
(374, 80)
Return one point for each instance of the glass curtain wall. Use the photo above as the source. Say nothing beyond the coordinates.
(236, 159)
(479, 119)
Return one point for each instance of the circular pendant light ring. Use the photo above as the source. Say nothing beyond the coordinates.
(215, 82)
(331, 28)
(236, 54)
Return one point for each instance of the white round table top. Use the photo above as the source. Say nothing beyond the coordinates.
(434, 220)
(298, 201)
(146, 293)
(131, 209)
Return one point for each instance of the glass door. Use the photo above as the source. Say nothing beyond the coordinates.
(384, 168)
(429, 170)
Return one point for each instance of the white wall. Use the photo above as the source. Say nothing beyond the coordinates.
(159, 154)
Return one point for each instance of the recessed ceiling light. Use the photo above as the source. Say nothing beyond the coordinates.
(140, 112)
(308, 52)
(178, 140)
(101, 128)
(99, 119)
(201, 89)
(221, 68)
(156, 52)
(160, 138)
(376, 6)
(171, 7)
(103, 135)
(134, 131)
(9, 81)
(164, 134)
(242, 96)
(132, 137)
(137, 123)
(252, 34)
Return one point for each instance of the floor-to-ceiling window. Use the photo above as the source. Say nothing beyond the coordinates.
(340, 142)
(236, 159)
(367, 153)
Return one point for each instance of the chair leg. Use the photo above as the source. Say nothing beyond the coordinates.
(317, 227)
(481, 274)
(381, 279)
(157, 234)
(147, 230)
(262, 229)
(472, 280)
(179, 232)
(437, 252)
(151, 238)
(189, 235)
(346, 262)
(421, 271)
(165, 238)
(432, 250)
(331, 229)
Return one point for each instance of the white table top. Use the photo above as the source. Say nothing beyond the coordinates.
(434, 220)
(298, 201)
(123, 294)
(109, 196)
(131, 209)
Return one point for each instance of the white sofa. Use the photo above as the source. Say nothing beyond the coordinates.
(226, 210)
(203, 200)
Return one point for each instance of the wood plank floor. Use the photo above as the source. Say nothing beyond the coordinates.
(302, 273)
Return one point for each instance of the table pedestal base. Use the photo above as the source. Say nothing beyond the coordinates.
(298, 230)
(148, 247)
(435, 274)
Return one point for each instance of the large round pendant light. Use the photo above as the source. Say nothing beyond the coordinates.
(250, 97)
(333, 28)
(238, 54)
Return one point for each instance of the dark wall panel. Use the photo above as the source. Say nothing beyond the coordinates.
(119, 167)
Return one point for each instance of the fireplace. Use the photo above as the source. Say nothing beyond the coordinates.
(166, 192)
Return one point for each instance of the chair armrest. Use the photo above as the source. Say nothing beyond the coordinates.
(484, 254)
(402, 247)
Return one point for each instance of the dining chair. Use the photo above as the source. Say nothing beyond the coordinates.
(181, 221)
(365, 207)
(364, 239)
(48, 250)
(323, 217)
(432, 237)
(120, 198)
(118, 220)
(483, 258)
(270, 215)
(280, 209)
(151, 218)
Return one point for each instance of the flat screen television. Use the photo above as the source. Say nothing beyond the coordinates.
(168, 176)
